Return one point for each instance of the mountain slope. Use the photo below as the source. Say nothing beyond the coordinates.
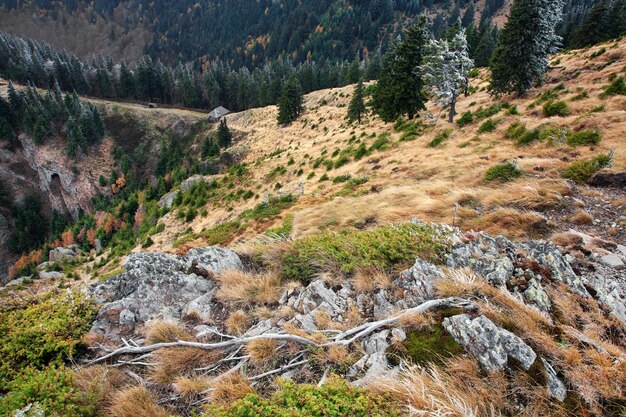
(292, 253)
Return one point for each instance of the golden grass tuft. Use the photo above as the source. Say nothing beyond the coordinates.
(190, 387)
(581, 217)
(238, 322)
(228, 388)
(452, 390)
(370, 279)
(180, 361)
(162, 331)
(244, 288)
(135, 402)
(567, 240)
(336, 355)
(99, 383)
(262, 351)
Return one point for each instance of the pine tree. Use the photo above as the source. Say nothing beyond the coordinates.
(290, 104)
(357, 108)
(446, 68)
(224, 137)
(127, 82)
(210, 148)
(400, 87)
(521, 57)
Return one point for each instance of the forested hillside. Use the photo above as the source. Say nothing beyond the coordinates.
(245, 33)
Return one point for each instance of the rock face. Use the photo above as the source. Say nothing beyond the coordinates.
(159, 286)
(491, 345)
(609, 179)
(61, 254)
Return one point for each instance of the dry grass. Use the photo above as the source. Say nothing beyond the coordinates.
(171, 363)
(243, 288)
(581, 217)
(161, 331)
(567, 240)
(228, 388)
(100, 383)
(238, 322)
(336, 355)
(135, 402)
(454, 390)
(323, 320)
(190, 387)
(370, 279)
(262, 351)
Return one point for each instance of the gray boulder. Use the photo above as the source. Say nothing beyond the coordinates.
(167, 201)
(50, 275)
(61, 254)
(556, 388)
(159, 286)
(490, 344)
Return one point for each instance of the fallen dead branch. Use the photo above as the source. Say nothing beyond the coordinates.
(343, 338)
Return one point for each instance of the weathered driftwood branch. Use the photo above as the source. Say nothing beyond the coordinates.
(344, 338)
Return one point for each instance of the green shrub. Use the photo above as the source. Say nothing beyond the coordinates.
(438, 140)
(556, 108)
(488, 126)
(584, 137)
(528, 137)
(617, 87)
(324, 177)
(283, 230)
(513, 111)
(47, 330)
(380, 143)
(336, 398)
(515, 130)
(503, 172)
(582, 171)
(273, 208)
(360, 152)
(221, 234)
(341, 161)
(580, 96)
(385, 247)
(50, 390)
(488, 112)
(341, 178)
(466, 119)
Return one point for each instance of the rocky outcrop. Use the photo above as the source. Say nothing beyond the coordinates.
(490, 344)
(609, 179)
(159, 286)
(61, 254)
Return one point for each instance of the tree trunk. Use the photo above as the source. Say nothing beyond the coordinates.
(452, 110)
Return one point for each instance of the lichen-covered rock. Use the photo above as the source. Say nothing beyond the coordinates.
(417, 282)
(556, 388)
(167, 201)
(61, 254)
(159, 286)
(319, 295)
(490, 344)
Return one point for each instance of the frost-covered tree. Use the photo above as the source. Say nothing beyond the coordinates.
(521, 57)
(446, 69)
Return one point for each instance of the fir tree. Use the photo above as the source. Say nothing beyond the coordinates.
(446, 68)
(400, 88)
(357, 108)
(290, 104)
(210, 148)
(521, 57)
(224, 137)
